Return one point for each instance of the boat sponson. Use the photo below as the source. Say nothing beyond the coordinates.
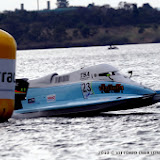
(91, 109)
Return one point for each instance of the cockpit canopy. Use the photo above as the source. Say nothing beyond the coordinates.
(102, 72)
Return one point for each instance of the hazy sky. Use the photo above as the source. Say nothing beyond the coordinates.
(32, 4)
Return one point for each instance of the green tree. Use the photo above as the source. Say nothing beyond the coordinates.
(60, 33)
(75, 33)
(62, 3)
(85, 31)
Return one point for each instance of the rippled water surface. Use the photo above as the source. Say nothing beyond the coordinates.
(132, 134)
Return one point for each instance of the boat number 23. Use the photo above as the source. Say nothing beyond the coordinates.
(86, 87)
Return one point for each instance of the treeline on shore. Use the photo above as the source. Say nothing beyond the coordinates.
(82, 26)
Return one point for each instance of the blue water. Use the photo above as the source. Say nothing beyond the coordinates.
(121, 135)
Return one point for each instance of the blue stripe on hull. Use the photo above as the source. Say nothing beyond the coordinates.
(80, 97)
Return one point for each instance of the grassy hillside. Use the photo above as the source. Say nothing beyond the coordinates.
(95, 26)
(102, 36)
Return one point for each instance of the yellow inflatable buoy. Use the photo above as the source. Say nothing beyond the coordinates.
(7, 75)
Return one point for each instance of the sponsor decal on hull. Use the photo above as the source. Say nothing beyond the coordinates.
(111, 89)
(31, 100)
(51, 98)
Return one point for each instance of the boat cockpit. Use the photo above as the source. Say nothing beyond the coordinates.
(102, 72)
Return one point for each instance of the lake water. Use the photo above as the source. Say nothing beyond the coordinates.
(120, 135)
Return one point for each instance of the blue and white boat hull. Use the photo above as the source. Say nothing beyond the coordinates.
(64, 96)
(71, 99)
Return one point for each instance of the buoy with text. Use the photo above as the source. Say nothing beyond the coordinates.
(7, 75)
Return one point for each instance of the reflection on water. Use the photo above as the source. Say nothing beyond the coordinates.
(79, 138)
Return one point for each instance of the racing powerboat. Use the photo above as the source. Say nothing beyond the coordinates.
(88, 91)
(112, 47)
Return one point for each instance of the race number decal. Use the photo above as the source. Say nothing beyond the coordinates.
(87, 89)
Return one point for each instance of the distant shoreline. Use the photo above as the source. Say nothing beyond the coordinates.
(114, 36)
(83, 26)
(66, 46)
